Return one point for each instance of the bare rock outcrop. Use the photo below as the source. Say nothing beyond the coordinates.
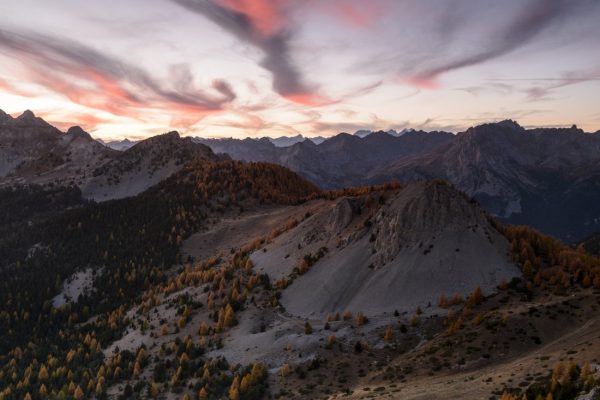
(420, 213)
(341, 216)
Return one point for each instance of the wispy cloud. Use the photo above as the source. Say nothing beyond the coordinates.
(544, 88)
(99, 81)
(125, 66)
(357, 13)
(535, 17)
(263, 24)
(451, 36)
(8, 87)
(317, 122)
(63, 120)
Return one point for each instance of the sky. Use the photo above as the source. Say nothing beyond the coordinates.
(252, 68)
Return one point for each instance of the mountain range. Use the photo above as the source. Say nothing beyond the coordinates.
(540, 177)
(34, 152)
(548, 178)
(340, 161)
(280, 141)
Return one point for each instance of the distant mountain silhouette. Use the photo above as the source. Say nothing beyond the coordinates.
(545, 177)
(340, 161)
(548, 178)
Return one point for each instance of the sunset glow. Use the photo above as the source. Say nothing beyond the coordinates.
(271, 68)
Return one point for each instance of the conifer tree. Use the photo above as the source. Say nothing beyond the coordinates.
(307, 328)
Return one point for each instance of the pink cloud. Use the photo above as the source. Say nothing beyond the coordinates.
(422, 82)
(98, 81)
(309, 99)
(62, 121)
(360, 14)
(11, 89)
(266, 25)
(268, 17)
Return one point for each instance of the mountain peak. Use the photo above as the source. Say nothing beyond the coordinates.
(317, 139)
(286, 141)
(361, 133)
(494, 129)
(172, 134)
(27, 115)
(162, 141)
(77, 131)
(28, 118)
(509, 123)
(4, 116)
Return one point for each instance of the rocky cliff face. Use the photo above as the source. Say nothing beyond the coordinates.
(421, 213)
